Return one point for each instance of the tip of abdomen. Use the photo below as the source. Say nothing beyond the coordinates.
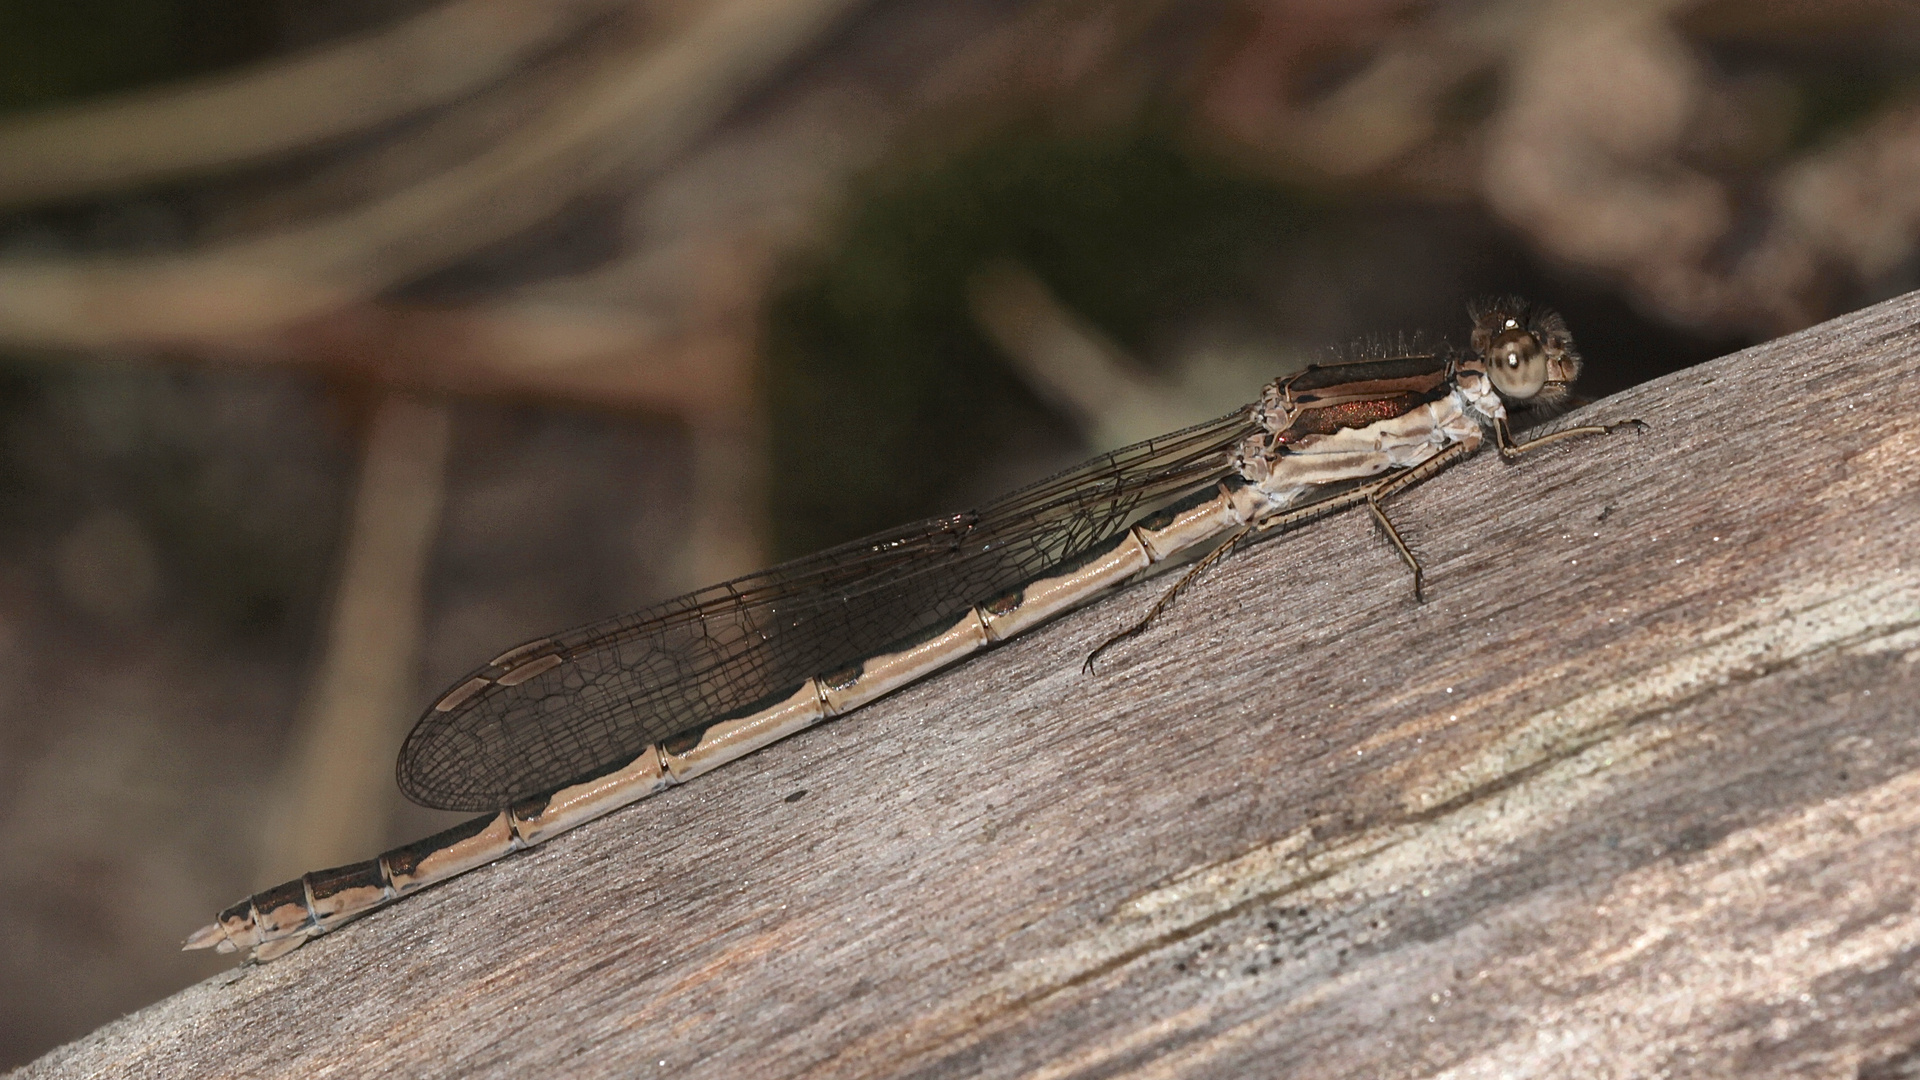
(210, 936)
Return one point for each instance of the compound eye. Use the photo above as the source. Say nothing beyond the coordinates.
(1517, 364)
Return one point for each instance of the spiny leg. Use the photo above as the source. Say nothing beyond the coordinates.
(1377, 494)
(1406, 553)
(1374, 495)
(1286, 519)
(1161, 604)
(1510, 449)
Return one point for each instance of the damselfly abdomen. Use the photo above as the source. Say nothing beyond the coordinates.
(566, 728)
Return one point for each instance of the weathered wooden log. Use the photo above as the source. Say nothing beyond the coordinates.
(1635, 792)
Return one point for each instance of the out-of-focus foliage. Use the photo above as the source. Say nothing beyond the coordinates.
(174, 491)
(52, 52)
(882, 391)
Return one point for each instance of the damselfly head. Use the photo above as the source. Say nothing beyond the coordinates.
(1527, 350)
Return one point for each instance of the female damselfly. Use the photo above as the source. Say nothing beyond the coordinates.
(567, 728)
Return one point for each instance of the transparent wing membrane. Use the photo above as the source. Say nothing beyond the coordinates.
(573, 704)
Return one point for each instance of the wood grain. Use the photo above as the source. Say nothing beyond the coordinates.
(1636, 791)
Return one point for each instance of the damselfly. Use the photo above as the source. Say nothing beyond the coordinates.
(566, 728)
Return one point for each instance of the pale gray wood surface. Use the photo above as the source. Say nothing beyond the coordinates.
(1637, 792)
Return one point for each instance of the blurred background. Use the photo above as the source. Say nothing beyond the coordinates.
(344, 343)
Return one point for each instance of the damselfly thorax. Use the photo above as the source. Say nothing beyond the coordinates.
(566, 728)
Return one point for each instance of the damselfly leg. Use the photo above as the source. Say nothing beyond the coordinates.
(1166, 598)
(1377, 494)
(1374, 495)
(1510, 449)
